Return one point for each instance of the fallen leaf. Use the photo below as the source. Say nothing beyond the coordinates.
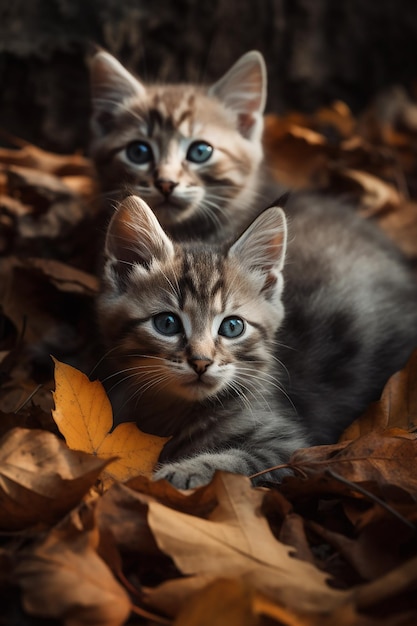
(199, 502)
(59, 327)
(124, 513)
(396, 408)
(84, 417)
(337, 116)
(65, 277)
(379, 457)
(63, 578)
(376, 194)
(6, 567)
(395, 582)
(401, 226)
(42, 215)
(297, 156)
(123, 510)
(236, 541)
(84, 186)
(221, 602)
(368, 551)
(235, 603)
(30, 156)
(40, 478)
(33, 185)
(390, 118)
(137, 452)
(293, 534)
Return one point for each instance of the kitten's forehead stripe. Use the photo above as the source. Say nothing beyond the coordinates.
(169, 111)
(158, 119)
(201, 276)
(184, 115)
(218, 286)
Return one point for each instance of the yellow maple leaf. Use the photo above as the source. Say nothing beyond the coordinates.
(84, 417)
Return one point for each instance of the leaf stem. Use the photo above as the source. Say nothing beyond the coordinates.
(371, 496)
(30, 396)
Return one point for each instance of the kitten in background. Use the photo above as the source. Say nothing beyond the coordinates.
(244, 352)
(193, 153)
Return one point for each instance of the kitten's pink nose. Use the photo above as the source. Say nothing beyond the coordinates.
(165, 186)
(200, 363)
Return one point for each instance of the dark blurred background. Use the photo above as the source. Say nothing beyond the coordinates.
(316, 51)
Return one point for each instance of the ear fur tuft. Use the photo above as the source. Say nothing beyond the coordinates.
(135, 236)
(243, 89)
(262, 246)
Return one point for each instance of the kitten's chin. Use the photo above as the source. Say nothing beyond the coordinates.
(169, 218)
(174, 209)
(169, 213)
(198, 390)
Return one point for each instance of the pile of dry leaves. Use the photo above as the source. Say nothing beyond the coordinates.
(86, 537)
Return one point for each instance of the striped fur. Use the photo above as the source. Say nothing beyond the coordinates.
(207, 199)
(312, 356)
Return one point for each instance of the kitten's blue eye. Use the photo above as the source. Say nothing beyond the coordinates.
(199, 152)
(232, 327)
(139, 152)
(167, 324)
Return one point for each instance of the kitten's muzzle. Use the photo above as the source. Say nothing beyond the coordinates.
(200, 364)
(165, 186)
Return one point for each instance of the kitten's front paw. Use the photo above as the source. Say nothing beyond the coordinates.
(186, 474)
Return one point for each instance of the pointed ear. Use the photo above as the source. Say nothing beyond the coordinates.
(135, 237)
(243, 89)
(262, 246)
(111, 84)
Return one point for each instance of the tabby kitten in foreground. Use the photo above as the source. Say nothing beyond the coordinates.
(244, 352)
(193, 153)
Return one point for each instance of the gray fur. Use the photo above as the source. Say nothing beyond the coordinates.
(349, 320)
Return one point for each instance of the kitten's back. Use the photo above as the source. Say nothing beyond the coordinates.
(351, 313)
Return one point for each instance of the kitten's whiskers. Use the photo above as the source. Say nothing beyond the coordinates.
(272, 382)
